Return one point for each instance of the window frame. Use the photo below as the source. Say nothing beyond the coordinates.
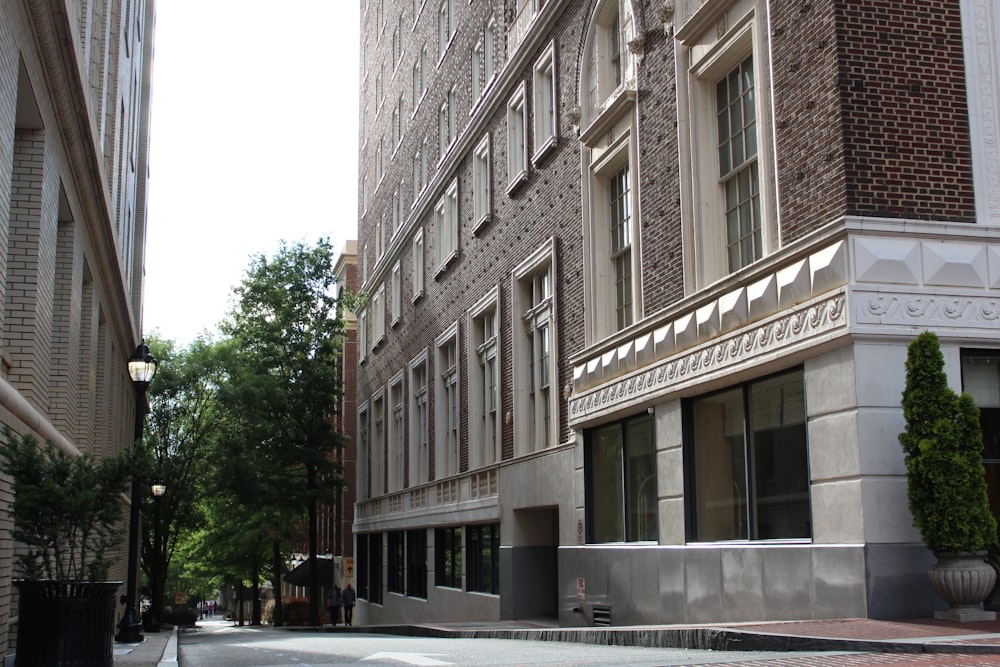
(419, 428)
(448, 549)
(417, 255)
(749, 456)
(710, 56)
(482, 573)
(517, 139)
(448, 403)
(545, 121)
(482, 185)
(485, 380)
(534, 316)
(446, 222)
(396, 439)
(396, 294)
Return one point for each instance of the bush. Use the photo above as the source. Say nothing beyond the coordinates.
(295, 610)
(943, 450)
(183, 617)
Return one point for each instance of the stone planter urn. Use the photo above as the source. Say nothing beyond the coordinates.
(964, 580)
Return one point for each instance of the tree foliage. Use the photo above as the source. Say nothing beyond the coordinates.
(67, 509)
(943, 448)
(285, 338)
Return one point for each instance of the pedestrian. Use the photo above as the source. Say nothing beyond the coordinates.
(333, 604)
(347, 599)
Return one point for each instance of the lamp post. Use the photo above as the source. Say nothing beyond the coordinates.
(156, 612)
(141, 368)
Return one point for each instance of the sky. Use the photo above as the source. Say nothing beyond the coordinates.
(253, 140)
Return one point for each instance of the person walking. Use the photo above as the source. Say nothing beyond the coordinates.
(347, 599)
(333, 604)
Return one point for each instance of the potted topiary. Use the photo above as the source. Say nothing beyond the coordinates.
(67, 513)
(946, 482)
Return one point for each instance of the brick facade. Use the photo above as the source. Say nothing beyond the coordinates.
(862, 124)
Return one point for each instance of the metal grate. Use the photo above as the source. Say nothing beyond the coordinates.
(602, 614)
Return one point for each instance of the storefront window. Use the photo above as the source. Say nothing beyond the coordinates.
(621, 489)
(748, 460)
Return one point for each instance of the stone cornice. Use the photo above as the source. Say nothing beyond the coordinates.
(57, 49)
(805, 324)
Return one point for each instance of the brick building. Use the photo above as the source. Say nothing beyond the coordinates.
(641, 275)
(74, 109)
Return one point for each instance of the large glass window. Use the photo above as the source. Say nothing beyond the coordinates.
(981, 379)
(396, 559)
(620, 221)
(749, 462)
(369, 580)
(448, 557)
(416, 563)
(483, 558)
(621, 481)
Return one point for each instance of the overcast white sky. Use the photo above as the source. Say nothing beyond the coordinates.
(253, 140)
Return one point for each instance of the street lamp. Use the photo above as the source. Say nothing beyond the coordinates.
(159, 488)
(141, 368)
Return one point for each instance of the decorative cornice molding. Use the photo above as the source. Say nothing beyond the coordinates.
(816, 319)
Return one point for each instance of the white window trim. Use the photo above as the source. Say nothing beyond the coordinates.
(419, 466)
(600, 165)
(545, 91)
(396, 434)
(523, 437)
(482, 184)
(378, 316)
(397, 294)
(447, 463)
(478, 456)
(702, 198)
(376, 448)
(446, 223)
(362, 335)
(418, 265)
(364, 451)
(517, 139)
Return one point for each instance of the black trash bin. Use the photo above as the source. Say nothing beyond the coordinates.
(66, 623)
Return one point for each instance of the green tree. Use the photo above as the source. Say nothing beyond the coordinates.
(943, 448)
(182, 428)
(286, 337)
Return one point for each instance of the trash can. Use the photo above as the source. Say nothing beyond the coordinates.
(66, 623)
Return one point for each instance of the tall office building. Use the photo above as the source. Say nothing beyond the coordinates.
(74, 110)
(641, 275)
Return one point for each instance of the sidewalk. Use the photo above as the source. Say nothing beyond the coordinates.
(158, 650)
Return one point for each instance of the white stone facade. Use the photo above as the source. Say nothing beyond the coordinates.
(74, 111)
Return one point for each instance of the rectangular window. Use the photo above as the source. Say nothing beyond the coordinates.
(396, 561)
(444, 131)
(397, 128)
(361, 559)
(446, 25)
(481, 186)
(446, 227)
(621, 481)
(517, 141)
(418, 265)
(364, 447)
(416, 563)
(478, 70)
(378, 316)
(418, 76)
(620, 221)
(419, 449)
(749, 461)
(736, 123)
(448, 557)
(448, 411)
(370, 579)
(490, 56)
(397, 463)
(482, 553)
(484, 369)
(397, 43)
(544, 87)
(981, 379)
(534, 358)
(363, 334)
(397, 294)
(377, 451)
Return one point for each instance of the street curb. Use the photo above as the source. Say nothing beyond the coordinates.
(706, 638)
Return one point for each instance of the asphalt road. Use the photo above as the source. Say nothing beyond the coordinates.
(220, 644)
